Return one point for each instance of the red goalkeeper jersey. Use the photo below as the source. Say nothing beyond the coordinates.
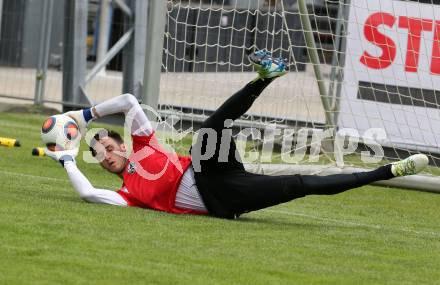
(152, 176)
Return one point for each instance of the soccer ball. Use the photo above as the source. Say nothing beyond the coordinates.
(60, 132)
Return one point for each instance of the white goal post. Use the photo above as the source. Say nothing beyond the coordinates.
(365, 73)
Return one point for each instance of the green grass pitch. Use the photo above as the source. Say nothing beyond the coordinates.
(48, 235)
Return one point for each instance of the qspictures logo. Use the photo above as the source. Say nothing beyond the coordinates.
(294, 143)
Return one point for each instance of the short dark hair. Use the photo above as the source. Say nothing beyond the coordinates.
(103, 133)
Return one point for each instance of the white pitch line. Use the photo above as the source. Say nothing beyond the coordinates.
(42, 177)
(349, 223)
(33, 176)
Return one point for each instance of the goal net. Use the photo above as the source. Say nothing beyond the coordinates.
(361, 87)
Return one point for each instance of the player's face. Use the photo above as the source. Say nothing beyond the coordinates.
(111, 155)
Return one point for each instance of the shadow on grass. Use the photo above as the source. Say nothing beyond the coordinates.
(258, 221)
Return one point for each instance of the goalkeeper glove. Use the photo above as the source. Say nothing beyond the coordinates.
(82, 119)
(62, 156)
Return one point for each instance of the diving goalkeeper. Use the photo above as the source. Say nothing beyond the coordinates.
(219, 186)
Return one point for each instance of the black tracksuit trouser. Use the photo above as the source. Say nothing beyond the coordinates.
(228, 190)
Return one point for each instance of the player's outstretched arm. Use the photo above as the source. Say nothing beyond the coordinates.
(87, 192)
(127, 104)
(81, 184)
